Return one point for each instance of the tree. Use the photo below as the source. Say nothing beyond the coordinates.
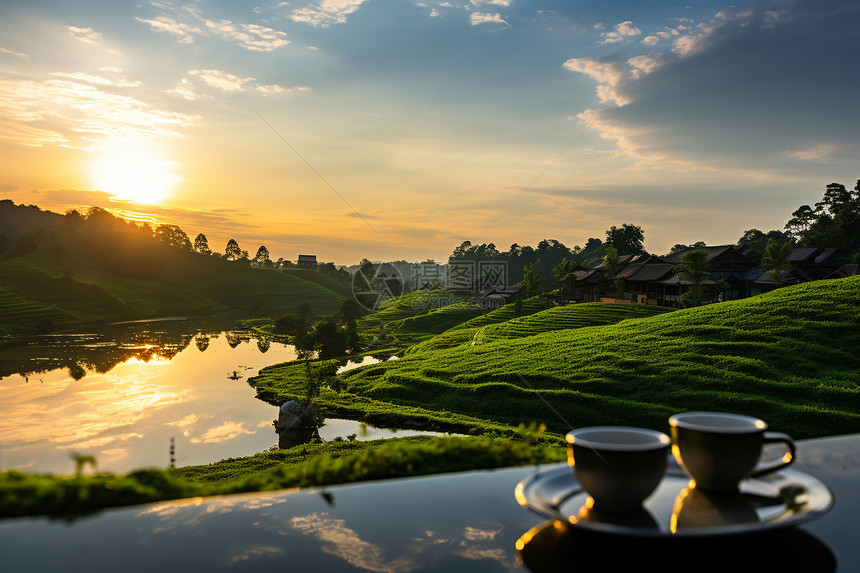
(693, 267)
(757, 240)
(173, 236)
(628, 240)
(800, 222)
(531, 279)
(776, 255)
(562, 269)
(262, 256)
(611, 267)
(201, 245)
(232, 252)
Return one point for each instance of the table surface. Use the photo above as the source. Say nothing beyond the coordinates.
(453, 522)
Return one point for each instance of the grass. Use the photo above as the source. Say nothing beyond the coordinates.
(790, 357)
(309, 465)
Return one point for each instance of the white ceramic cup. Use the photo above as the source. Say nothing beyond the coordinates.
(619, 466)
(719, 450)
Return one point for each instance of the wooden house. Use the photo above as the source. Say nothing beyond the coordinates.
(307, 262)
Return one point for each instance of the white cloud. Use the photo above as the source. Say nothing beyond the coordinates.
(223, 433)
(85, 35)
(326, 13)
(70, 108)
(478, 18)
(818, 153)
(97, 80)
(492, 2)
(743, 90)
(622, 31)
(185, 90)
(17, 54)
(184, 33)
(609, 74)
(221, 80)
(187, 23)
(646, 64)
(249, 36)
(275, 89)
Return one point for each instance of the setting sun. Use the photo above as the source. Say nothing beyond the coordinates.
(134, 175)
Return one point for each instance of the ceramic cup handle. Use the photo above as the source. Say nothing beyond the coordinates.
(786, 460)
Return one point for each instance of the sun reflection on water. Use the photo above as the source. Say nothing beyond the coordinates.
(126, 413)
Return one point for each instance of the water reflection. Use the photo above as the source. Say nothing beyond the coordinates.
(122, 392)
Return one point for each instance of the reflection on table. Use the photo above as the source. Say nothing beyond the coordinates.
(457, 522)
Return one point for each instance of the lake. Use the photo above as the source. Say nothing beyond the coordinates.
(121, 392)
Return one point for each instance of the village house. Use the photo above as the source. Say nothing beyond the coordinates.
(307, 262)
(733, 274)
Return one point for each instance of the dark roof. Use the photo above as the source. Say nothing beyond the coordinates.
(711, 252)
(652, 272)
(677, 280)
(802, 255)
(791, 275)
(825, 254)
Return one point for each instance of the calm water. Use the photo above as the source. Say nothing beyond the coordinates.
(120, 393)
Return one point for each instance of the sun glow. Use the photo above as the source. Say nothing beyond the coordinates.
(134, 173)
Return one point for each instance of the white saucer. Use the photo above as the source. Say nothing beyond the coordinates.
(780, 499)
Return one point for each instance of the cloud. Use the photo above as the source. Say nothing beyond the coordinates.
(85, 35)
(223, 433)
(184, 33)
(743, 90)
(221, 80)
(97, 80)
(609, 73)
(185, 89)
(621, 32)
(477, 18)
(17, 54)
(249, 36)
(74, 109)
(228, 83)
(492, 2)
(337, 539)
(274, 89)
(326, 13)
(186, 24)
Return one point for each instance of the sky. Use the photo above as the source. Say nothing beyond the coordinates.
(396, 129)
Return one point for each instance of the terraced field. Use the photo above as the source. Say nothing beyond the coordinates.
(791, 356)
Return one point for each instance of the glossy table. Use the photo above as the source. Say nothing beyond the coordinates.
(454, 522)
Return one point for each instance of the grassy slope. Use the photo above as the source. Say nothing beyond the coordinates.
(309, 465)
(279, 383)
(790, 356)
(71, 287)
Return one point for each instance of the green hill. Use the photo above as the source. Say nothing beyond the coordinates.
(533, 318)
(791, 357)
(110, 270)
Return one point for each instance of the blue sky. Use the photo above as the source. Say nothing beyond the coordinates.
(395, 129)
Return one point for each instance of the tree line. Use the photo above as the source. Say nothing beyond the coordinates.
(834, 221)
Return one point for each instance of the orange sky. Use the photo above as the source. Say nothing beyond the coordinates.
(362, 128)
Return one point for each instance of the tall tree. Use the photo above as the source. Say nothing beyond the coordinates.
(232, 252)
(611, 267)
(776, 255)
(531, 278)
(173, 236)
(628, 240)
(262, 256)
(693, 267)
(201, 245)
